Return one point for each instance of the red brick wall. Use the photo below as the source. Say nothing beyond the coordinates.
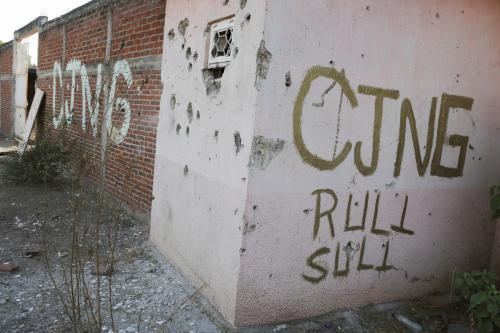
(137, 34)
(6, 108)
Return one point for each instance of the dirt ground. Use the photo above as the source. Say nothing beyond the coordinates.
(149, 295)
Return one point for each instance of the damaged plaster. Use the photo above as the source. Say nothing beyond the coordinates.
(237, 142)
(288, 79)
(264, 58)
(172, 101)
(212, 83)
(171, 34)
(189, 112)
(264, 150)
(183, 26)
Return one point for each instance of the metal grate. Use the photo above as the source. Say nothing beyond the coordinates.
(221, 43)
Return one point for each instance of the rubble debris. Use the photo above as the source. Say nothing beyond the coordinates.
(8, 267)
(410, 324)
(32, 253)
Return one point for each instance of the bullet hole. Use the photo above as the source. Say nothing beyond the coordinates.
(288, 79)
(350, 249)
(195, 56)
(242, 250)
(187, 131)
(182, 27)
(178, 128)
(243, 3)
(235, 52)
(247, 17)
(207, 30)
(356, 204)
(362, 55)
(254, 207)
(197, 115)
(236, 211)
(243, 179)
(462, 11)
(188, 53)
(473, 157)
(186, 170)
(367, 7)
(225, 2)
(216, 135)
(122, 45)
(383, 245)
(172, 101)
(307, 211)
(171, 34)
(437, 15)
(237, 142)
(189, 112)
(430, 214)
(190, 67)
(479, 159)
(270, 275)
(182, 46)
(332, 63)
(396, 195)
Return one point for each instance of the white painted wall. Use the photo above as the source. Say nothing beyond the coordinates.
(197, 216)
(421, 49)
(243, 223)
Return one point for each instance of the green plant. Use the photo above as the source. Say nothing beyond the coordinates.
(484, 308)
(40, 164)
(495, 202)
(478, 288)
(468, 284)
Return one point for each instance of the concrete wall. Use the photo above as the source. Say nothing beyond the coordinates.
(6, 108)
(367, 149)
(203, 145)
(423, 220)
(101, 42)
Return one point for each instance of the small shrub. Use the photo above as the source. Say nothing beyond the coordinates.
(484, 308)
(40, 164)
(468, 284)
(479, 289)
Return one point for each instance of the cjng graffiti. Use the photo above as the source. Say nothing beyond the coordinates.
(351, 252)
(121, 67)
(406, 117)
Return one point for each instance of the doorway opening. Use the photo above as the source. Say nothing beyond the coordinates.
(25, 70)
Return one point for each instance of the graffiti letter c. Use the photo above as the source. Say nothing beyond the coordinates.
(308, 157)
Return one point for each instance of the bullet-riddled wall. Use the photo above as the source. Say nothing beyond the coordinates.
(345, 158)
(387, 119)
(204, 140)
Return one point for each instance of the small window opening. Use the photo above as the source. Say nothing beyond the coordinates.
(221, 43)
